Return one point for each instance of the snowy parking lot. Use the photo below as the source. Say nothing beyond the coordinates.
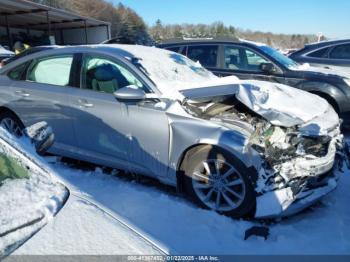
(176, 226)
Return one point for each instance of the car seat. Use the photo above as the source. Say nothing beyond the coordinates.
(107, 78)
(233, 62)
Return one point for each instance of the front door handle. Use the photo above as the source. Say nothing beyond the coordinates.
(85, 103)
(22, 93)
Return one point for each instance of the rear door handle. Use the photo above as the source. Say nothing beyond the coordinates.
(85, 103)
(22, 93)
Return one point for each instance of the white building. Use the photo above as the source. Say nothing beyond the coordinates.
(42, 25)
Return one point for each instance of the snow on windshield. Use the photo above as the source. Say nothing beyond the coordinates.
(169, 70)
(29, 196)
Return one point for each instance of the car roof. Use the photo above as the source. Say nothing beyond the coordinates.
(327, 43)
(122, 50)
(210, 40)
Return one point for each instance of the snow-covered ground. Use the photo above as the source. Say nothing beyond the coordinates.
(178, 226)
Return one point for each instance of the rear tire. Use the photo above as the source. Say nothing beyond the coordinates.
(217, 180)
(10, 122)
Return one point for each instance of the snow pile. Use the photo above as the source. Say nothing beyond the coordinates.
(81, 228)
(26, 204)
(183, 228)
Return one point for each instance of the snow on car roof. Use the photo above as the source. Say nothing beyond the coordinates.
(252, 42)
(170, 71)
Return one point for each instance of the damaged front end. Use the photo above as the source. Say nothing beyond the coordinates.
(297, 168)
(298, 164)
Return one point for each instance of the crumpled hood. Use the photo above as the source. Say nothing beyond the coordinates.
(281, 105)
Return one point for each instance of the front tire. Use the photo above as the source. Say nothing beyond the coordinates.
(217, 180)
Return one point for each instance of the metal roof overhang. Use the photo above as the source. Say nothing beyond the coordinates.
(28, 15)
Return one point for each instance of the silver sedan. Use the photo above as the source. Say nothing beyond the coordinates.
(239, 148)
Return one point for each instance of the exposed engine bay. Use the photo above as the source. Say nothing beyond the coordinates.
(290, 157)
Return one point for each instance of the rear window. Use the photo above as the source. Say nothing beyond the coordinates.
(321, 53)
(52, 70)
(17, 72)
(206, 54)
(174, 49)
(341, 52)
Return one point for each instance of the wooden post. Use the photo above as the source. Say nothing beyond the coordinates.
(85, 29)
(9, 36)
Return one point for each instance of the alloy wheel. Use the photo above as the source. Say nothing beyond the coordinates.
(218, 185)
(11, 126)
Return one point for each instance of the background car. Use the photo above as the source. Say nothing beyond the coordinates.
(250, 60)
(26, 52)
(4, 54)
(157, 113)
(332, 54)
(30, 195)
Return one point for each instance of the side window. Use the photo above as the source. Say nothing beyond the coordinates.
(103, 75)
(237, 58)
(254, 60)
(174, 49)
(206, 54)
(17, 72)
(340, 52)
(319, 53)
(51, 70)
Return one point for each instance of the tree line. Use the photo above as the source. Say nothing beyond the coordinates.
(128, 27)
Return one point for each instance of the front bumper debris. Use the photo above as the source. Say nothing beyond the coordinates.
(319, 179)
(282, 203)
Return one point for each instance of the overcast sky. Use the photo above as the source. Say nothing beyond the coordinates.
(331, 17)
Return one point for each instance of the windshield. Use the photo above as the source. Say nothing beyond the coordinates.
(168, 70)
(282, 59)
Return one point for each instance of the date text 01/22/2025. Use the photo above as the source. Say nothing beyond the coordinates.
(172, 258)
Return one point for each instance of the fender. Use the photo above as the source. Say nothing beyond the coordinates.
(332, 91)
(187, 134)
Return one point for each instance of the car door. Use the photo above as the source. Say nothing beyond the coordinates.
(127, 135)
(244, 63)
(42, 94)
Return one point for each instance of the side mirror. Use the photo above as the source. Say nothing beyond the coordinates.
(41, 135)
(267, 67)
(129, 93)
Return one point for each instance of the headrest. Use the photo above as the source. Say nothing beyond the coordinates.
(105, 72)
(233, 59)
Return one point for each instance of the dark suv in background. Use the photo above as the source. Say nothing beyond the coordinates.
(333, 54)
(250, 60)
